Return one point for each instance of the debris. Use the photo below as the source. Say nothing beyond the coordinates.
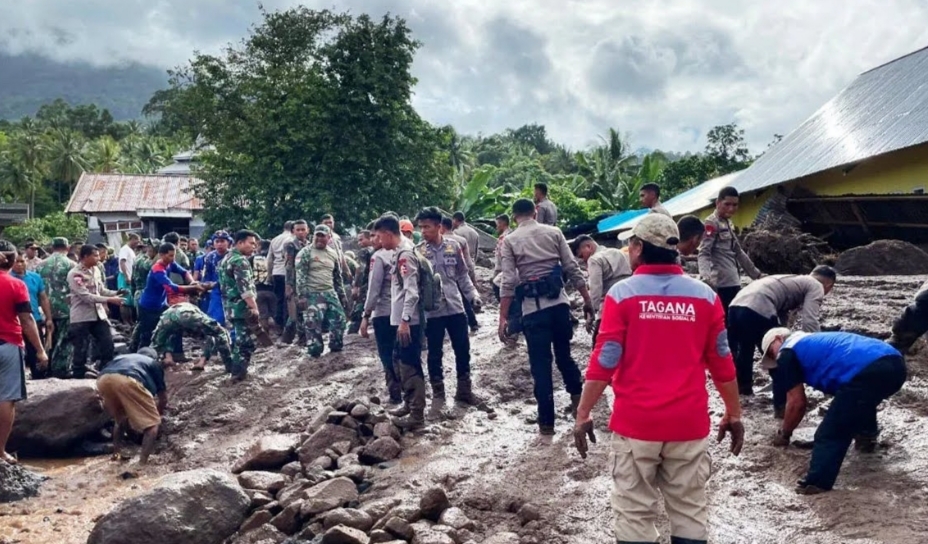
(883, 258)
(433, 503)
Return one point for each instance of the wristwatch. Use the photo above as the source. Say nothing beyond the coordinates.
(407, 319)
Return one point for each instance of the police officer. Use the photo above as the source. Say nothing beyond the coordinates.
(446, 256)
(534, 257)
(605, 266)
(186, 318)
(447, 231)
(720, 253)
(239, 300)
(377, 305)
(407, 316)
(860, 373)
(502, 230)
(768, 303)
(291, 249)
(320, 292)
(913, 322)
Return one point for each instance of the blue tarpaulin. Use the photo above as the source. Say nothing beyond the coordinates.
(615, 220)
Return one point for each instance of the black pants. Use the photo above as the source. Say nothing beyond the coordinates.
(385, 336)
(727, 294)
(280, 289)
(411, 355)
(545, 329)
(435, 328)
(81, 333)
(852, 413)
(32, 360)
(746, 330)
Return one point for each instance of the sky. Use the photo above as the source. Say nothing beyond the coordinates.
(662, 72)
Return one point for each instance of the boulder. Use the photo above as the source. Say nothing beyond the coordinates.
(256, 520)
(345, 535)
(336, 417)
(323, 439)
(17, 483)
(379, 536)
(292, 469)
(328, 495)
(259, 498)
(433, 503)
(266, 534)
(379, 451)
(56, 417)
(379, 508)
(432, 536)
(268, 453)
(294, 492)
(528, 513)
(399, 528)
(349, 517)
(193, 507)
(263, 481)
(456, 519)
(311, 531)
(503, 538)
(356, 472)
(360, 412)
(386, 429)
(288, 521)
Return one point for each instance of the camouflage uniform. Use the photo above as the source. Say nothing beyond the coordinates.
(322, 303)
(187, 318)
(54, 272)
(237, 282)
(291, 249)
(140, 273)
(360, 282)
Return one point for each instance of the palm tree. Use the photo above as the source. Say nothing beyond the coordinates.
(608, 169)
(66, 157)
(104, 155)
(22, 166)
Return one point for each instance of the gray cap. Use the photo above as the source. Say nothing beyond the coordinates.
(658, 230)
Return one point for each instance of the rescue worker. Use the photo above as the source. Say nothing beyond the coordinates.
(661, 330)
(140, 271)
(447, 230)
(860, 373)
(239, 301)
(447, 259)
(154, 299)
(406, 315)
(408, 231)
(605, 266)
(186, 318)
(277, 264)
(361, 277)
(766, 304)
(33, 262)
(462, 229)
(54, 271)
(502, 230)
(41, 307)
(88, 318)
(650, 197)
(267, 300)
(320, 293)
(720, 253)
(377, 304)
(692, 231)
(546, 211)
(534, 257)
(913, 322)
(294, 325)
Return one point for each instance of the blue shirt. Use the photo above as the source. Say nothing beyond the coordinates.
(159, 284)
(140, 368)
(36, 287)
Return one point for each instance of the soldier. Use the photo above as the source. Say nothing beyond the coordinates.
(239, 300)
(185, 318)
(546, 211)
(291, 249)
(534, 258)
(447, 226)
(407, 316)
(193, 250)
(359, 284)
(720, 252)
(650, 197)
(447, 259)
(54, 271)
(320, 291)
(377, 312)
(88, 317)
(605, 267)
(140, 272)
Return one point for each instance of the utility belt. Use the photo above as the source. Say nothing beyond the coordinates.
(547, 287)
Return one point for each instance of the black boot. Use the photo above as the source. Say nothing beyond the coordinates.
(465, 391)
(394, 388)
(289, 333)
(681, 540)
(414, 387)
(574, 404)
(438, 390)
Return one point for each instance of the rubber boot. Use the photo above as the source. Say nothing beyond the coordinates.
(465, 391)
(438, 390)
(289, 333)
(394, 388)
(574, 404)
(414, 387)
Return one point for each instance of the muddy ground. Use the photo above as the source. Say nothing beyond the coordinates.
(488, 464)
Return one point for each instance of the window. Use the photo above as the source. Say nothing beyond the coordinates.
(122, 226)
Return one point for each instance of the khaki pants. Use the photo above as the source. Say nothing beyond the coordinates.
(679, 470)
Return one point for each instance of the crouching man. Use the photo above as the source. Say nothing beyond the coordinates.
(860, 372)
(129, 386)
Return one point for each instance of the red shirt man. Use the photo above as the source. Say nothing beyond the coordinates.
(661, 330)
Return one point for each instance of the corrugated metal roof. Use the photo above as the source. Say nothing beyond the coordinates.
(883, 110)
(690, 201)
(96, 193)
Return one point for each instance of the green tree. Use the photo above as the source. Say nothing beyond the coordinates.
(726, 147)
(43, 229)
(312, 114)
(66, 157)
(104, 155)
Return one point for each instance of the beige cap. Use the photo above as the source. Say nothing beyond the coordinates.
(658, 230)
(768, 362)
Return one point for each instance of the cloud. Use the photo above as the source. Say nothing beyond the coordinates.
(665, 73)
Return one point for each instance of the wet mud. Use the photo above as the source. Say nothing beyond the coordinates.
(492, 463)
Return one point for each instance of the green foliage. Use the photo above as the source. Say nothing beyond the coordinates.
(43, 229)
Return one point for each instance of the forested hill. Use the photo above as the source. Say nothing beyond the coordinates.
(28, 81)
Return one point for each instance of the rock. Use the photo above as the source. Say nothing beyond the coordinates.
(344, 535)
(379, 508)
(408, 512)
(256, 520)
(360, 412)
(273, 507)
(264, 481)
(380, 450)
(323, 439)
(342, 448)
(288, 521)
(379, 536)
(311, 531)
(56, 417)
(431, 536)
(456, 518)
(268, 453)
(433, 503)
(323, 462)
(386, 430)
(348, 460)
(258, 498)
(292, 469)
(529, 512)
(328, 495)
(349, 517)
(399, 528)
(294, 491)
(193, 507)
(503, 538)
(357, 473)
(17, 483)
(266, 534)
(350, 423)
(336, 417)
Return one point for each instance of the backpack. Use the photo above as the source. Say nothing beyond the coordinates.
(430, 293)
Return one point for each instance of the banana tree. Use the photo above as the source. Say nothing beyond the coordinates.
(474, 197)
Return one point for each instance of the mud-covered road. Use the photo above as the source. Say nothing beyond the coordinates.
(491, 463)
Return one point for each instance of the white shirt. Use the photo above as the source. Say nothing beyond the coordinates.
(278, 251)
(127, 254)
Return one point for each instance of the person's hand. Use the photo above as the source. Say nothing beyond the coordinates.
(41, 359)
(583, 429)
(590, 326)
(503, 325)
(588, 312)
(288, 291)
(116, 301)
(403, 334)
(781, 439)
(355, 291)
(732, 425)
(363, 330)
(49, 335)
(477, 303)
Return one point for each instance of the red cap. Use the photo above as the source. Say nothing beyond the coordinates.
(406, 226)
